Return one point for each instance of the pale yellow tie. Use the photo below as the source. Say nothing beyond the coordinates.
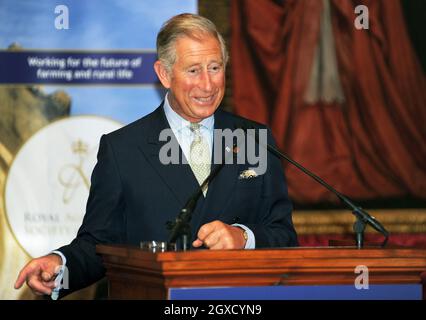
(199, 159)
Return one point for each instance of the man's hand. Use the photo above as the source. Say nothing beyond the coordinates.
(218, 235)
(40, 274)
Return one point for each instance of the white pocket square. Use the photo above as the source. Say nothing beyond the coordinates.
(247, 174)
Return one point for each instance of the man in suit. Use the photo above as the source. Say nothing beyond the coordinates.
(134, 193)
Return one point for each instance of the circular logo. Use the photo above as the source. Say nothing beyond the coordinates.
(48, 182)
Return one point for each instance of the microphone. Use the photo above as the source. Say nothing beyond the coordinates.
(181, 228)
(362, 216)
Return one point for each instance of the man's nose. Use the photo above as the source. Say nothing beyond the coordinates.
(205, 81)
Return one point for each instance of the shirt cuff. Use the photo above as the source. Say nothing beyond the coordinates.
(251, 241)
(59, 253)
(58, 280)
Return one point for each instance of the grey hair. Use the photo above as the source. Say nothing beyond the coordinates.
(185, 25)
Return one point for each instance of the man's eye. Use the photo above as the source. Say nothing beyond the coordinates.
(215, 68)
(193, 71)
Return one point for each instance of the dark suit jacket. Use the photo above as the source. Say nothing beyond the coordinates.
(133, 195)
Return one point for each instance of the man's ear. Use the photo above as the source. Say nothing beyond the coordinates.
(162, 74)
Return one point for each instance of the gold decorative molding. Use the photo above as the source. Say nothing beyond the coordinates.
(341, 221)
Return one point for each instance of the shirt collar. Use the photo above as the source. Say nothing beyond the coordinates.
(178, 123)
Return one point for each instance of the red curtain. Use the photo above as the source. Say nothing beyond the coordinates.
(371, 146)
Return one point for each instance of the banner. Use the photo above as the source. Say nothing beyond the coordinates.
(70, 71)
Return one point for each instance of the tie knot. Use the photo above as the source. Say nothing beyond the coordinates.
(195, 127)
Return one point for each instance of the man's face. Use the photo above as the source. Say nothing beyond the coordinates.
(196, 81)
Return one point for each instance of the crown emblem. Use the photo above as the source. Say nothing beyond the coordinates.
(79, 147)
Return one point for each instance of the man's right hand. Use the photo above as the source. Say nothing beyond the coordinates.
(40, 274)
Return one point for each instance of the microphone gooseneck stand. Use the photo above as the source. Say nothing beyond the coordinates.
(362, 217)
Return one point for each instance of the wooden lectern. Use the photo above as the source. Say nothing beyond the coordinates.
(133, 273)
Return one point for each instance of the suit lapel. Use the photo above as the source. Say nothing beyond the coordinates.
(179, 178)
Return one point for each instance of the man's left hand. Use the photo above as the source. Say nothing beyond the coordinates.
(218, 235)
